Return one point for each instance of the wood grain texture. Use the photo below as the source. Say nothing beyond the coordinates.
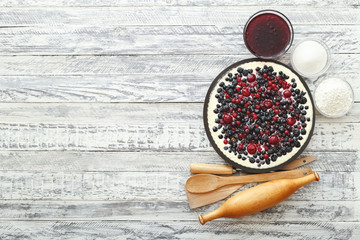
(167, 128)
(142, 65)
(146, 186)
(69, 161)
(101, 116)
(150, 78)
(177, 230)
(136, 3)
(79, 40)
(192, 15)
(287, 211)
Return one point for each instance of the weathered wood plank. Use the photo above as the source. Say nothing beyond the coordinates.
(287, 211)
(115, 88)
(127, 78)
(177, 230)
(118, 113)
(76, 40)
(146, 186)
(192, 15)
(166, 127)
(146, 161)
(133, 3)
(155, 137)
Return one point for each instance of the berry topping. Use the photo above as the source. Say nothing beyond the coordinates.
(273, 139)
(251, 77)
(227, 119)
(290, 121)
(260, 117)
(245, 92)
(287, 93)
(268, 103)
(251, 148)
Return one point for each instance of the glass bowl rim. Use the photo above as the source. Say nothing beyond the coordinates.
(338, 115)
(275, 12)
(327, 65)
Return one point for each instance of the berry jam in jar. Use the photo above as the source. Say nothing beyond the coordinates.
(268, 34)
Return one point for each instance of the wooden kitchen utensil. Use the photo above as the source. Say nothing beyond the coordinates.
(196, 200)
(258, 198)
(202, 183)
(228, 170)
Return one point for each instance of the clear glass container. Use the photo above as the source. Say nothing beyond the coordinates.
(316, 99)
(325, 68)
(260, 25)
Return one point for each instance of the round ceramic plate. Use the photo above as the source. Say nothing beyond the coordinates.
(209, 118)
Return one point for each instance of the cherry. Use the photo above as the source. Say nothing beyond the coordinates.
(268, 103)
(227, 119)
(290, 121)
(253, 84)
(245, 92)
(251, 148)
(251, 77)
(273, 139)
(287, 93)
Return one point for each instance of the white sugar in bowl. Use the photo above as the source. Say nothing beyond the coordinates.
(310, 58)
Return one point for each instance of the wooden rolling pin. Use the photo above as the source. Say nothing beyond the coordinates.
(258, 198)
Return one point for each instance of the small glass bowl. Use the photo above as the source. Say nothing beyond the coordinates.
(338, 115)
(326, 67)
(277, 13)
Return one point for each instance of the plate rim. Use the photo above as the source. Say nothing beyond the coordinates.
(208, 131)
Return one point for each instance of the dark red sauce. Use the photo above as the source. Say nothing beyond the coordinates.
(267, 35)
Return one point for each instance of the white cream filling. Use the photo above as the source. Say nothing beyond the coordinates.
(212, 116)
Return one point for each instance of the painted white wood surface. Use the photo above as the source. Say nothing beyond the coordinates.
(101, 116)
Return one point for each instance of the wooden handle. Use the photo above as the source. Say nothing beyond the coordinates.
(299, 162)
(227, 170)
(264, 177)
(211, 168)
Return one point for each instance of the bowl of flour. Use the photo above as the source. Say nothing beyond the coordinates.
(333, 97)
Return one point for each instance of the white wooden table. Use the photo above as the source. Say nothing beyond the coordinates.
(101, 116)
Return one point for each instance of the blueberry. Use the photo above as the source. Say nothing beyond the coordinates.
(303, 131)
(296, 132)
(252, 160)
(230, 75)
(220, 136)
(297, 144)
(245, 72)
(215, 129)
(274, 158)
(240, 70)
